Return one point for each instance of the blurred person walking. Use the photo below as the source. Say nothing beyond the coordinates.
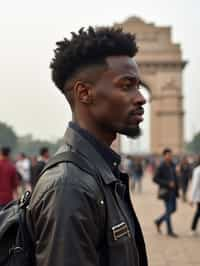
(166, 178)
(8, 178)
(39, 165)
(128, 167)
(184, 172)
(195, 196)
(138, 172)
(23, 165)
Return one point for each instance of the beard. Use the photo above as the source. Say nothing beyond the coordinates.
(131, 132)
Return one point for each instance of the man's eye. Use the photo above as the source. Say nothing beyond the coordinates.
(127, 86)
(131, 86)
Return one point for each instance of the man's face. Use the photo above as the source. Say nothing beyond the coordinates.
(168, 157)
(117, 103)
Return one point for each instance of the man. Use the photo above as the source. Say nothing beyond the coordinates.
(87, 219)
(8, 178)
(166, 177)
(184, 171)
(37, 168)
(195, 196)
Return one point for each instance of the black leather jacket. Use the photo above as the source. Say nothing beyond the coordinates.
(77, 219)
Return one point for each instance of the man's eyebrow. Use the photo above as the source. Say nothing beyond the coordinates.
(128, 77)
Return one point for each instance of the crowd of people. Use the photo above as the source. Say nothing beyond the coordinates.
(173, 175)
(19, 175)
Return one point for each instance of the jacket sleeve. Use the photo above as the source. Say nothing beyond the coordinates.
(68, 227)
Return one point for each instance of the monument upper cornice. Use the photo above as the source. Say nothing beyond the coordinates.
(155, 43)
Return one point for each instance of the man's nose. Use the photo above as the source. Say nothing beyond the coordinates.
(139, 98)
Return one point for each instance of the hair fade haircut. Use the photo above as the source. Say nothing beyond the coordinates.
(89, 47)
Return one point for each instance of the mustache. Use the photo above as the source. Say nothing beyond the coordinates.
(137, 111)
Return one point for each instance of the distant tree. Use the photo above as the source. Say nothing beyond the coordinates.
(26, 144)
(31, 147)
(194, 145)
(7, 136)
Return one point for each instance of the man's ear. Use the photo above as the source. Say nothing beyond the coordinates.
(83, 92)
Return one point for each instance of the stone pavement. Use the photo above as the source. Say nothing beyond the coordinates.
(162, 250)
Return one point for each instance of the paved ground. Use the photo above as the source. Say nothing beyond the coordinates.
(162, 250)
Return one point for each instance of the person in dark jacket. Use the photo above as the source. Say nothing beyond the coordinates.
(184, 171)
(166, 178)
(39, 165)
(86, 218)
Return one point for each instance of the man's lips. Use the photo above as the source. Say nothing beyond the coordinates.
(137, 115)
(139, 111)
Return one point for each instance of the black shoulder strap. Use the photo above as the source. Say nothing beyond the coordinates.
(69, 156)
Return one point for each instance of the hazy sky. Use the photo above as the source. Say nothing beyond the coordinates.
(30, 102)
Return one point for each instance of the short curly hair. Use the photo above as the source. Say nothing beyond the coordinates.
(89, 47)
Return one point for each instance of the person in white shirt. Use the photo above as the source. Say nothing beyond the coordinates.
(195, 195)
(23, 166)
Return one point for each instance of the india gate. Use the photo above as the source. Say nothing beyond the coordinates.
(161, 66)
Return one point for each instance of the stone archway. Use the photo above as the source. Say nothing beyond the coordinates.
(161, 67)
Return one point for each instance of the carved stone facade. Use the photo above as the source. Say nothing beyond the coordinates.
(161, 67)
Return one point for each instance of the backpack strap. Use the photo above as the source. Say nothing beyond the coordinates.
(72, 157)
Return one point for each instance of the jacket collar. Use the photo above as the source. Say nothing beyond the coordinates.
(80, 144)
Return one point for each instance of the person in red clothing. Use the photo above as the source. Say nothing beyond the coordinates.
(8, 178)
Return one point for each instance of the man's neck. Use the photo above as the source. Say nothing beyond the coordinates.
(101, 135)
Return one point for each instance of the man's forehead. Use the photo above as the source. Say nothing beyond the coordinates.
(122, 65)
